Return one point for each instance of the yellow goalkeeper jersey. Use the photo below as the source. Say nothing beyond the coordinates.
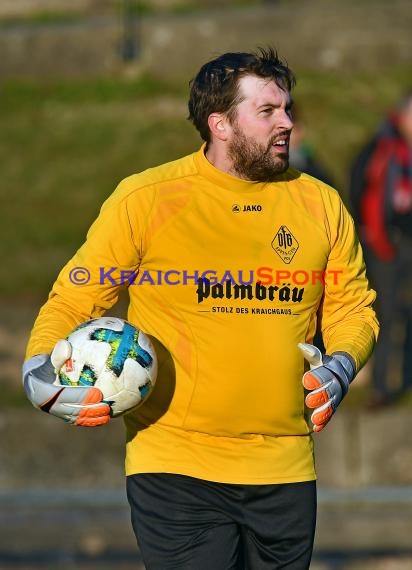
(228, 276)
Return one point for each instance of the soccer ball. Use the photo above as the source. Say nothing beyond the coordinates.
(114, 356)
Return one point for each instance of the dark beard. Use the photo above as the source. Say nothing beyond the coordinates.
(253, 161)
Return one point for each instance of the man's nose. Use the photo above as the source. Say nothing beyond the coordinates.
(286, 121)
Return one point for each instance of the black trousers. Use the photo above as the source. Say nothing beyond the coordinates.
(183, 523)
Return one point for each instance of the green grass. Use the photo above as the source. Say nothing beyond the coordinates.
(60, 161)
(25, 95)
(42, 18)
(64, 147)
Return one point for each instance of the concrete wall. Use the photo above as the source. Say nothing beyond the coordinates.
(53, 474)
(319, 34)
(91, 48)
(357, 450)
(363, 449)
(27, 8)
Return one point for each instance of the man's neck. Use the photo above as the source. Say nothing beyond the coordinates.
(219, 159)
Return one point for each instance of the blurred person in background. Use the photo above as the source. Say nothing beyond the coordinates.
(381, 197)
(301, 154)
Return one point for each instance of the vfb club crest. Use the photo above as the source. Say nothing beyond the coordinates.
(285, 244)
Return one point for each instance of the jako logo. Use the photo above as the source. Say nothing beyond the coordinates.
(247, 208)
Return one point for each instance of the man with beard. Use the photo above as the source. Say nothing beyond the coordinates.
(219, 461)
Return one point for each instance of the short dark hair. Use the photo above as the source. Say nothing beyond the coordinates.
(215, 89)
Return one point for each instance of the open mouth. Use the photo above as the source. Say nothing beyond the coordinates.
(281, 145)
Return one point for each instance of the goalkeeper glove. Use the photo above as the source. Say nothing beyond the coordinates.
(327, 381)
(80, 406)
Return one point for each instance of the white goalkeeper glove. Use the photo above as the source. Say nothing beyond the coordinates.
(328, 382)
(80, 406)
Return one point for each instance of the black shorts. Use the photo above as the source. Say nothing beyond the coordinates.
(183, 523)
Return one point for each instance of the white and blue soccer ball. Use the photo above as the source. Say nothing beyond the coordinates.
(116, 357)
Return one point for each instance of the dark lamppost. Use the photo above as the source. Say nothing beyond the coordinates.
(131, 38)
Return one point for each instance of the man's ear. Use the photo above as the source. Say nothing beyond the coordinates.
(219, 126)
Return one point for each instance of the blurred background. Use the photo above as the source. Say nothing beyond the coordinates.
(94, 90)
